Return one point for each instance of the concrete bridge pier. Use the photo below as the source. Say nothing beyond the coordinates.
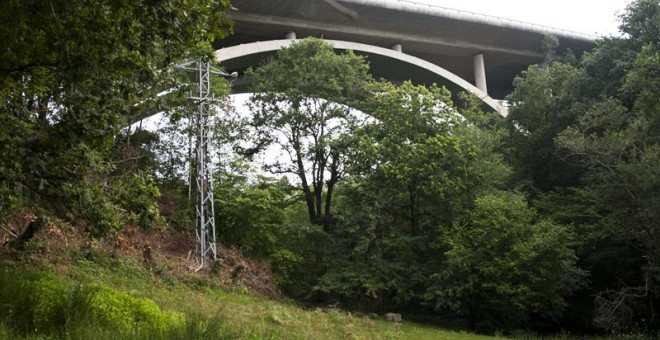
(480, 72)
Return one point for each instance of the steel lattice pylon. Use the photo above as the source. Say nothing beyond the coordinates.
(204, 210)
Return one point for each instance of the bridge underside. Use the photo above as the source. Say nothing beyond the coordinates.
(385, 63)
(500, 69)
(449, 39)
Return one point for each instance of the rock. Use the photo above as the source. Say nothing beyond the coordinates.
(395, 317)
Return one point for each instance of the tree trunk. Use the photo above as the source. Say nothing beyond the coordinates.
(318, 197)
(334, 177)
(327, 220)
(309, 196)
(309, 199)
(414, 209)
(29, 232)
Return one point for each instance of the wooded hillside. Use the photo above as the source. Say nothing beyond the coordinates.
(358, 193)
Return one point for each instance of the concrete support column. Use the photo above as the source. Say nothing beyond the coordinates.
(397, 48)
(291, 35)
(479, 72)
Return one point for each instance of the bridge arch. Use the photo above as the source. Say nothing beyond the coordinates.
(245, 55)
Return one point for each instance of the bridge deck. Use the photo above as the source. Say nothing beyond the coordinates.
(443, 37)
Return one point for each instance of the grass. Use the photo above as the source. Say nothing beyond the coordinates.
(254, 317)
(210, 311)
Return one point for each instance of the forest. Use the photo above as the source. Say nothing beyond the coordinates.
(357, 193)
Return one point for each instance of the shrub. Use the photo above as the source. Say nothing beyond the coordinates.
(112, 308)
(503, 267)
(41, 303)
(32, 302)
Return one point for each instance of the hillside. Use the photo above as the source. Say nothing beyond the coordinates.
(128, 296)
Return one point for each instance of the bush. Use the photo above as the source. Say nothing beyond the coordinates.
(504, 268)
(32, 302)
(44, 304)
(112, 308)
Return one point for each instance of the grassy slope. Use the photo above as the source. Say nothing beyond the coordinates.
(64, 252)
(245, 315)
(251, 316)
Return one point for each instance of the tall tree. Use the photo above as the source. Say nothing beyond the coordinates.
(503, 268)
(302, 102)
(543, 103)
(72, 73)
(620, 149)
(416, 166)
(421, 146)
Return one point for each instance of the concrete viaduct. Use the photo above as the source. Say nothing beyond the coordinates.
(401, 39)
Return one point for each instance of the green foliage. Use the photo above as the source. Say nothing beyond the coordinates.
(642, 83)
(623, 158)
(175, 206)
(311, 69)
(136, 150)
(421, 147)
(302, 102)
(543, 103)
(41, 303)
(641, 22)
(588, 145)
(96, 207)
(116, 309)
(263, 218)
(33, 302)
(297, 262)
(250, 215)
(503, 268)
(72, 74)
(108, 204)
(549, 46)
(137, 195)
(606, 66)
(416, 168)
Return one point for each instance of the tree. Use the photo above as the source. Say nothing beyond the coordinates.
(417, 165)
(250, 213)
(420, 146)
(606, 66)
(503, 268)
(302, 102)
(640, 22)
(608, 147)
(72, 73)
(622, 157)
(544, 102)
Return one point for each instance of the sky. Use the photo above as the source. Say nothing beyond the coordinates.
(596, 17)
